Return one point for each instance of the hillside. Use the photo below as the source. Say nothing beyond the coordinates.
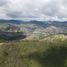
(31, 29)
(33, 43)
(51, 52)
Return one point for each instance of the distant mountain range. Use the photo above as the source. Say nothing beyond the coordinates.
(31, 29)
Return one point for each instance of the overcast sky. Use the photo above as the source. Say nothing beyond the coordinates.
(33, 9)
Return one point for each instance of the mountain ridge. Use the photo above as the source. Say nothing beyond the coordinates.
(37, 29)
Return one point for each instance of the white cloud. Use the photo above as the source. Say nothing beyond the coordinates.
(33, 9)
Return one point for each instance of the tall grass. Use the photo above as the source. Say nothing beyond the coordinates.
(34, 53)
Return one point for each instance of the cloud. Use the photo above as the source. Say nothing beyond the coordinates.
(3, 2)
(33, 9)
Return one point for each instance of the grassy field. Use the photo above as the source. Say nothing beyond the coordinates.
(34, 53)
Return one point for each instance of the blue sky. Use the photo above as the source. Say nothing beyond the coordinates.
(33, 9)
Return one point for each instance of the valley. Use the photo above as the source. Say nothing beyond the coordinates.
(33, 44)
(31, 29)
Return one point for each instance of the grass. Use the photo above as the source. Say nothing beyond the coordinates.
(34, 53)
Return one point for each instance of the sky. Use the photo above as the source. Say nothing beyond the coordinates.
(33, 9)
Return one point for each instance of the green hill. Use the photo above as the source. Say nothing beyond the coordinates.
(34, 53)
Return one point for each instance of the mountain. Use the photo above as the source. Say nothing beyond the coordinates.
(11, 21)
(31, 29)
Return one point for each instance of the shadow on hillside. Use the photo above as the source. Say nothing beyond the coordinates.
(53, 57)
(12, 35)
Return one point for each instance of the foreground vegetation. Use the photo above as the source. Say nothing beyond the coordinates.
(34, 53)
